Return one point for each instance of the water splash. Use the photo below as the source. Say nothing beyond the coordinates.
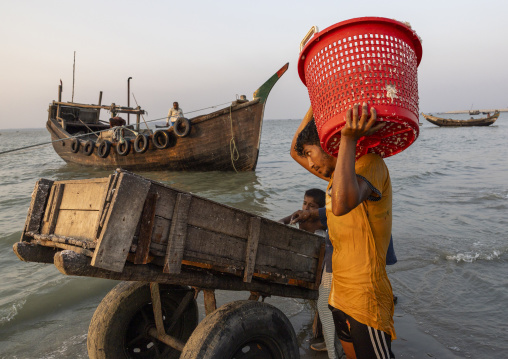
(470, 257)
(6, 315)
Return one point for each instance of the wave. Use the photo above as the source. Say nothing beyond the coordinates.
(470, 257)
(7, 314)
(69, 348)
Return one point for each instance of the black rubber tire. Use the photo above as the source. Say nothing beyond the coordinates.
(241, 330)
(163, 139)
(123, 148)
(75, 144)
(141, 143)
(88, 147)
(118, 329)
(182, 127)
(104, 149)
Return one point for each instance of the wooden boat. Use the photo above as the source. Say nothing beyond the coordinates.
(129, 228)
(224, 140)
(448, 122)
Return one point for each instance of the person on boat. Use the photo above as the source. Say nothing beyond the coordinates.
(174, 113)
(117, 122)
(359, 218)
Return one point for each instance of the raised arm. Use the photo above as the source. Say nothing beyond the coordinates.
(301, 160)
(305, 161)
(348, 190)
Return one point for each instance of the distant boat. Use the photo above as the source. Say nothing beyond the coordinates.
(474, 112)
(448, 122)
(224, 140)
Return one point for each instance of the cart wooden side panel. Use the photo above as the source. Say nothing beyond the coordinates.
(128, 218)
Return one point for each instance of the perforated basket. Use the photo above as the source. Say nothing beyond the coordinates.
(368, 59)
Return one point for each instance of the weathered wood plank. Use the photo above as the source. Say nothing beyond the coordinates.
(216, 217)
(30, 252)
(218, 249)
(84, 181)
(35, 214)
(233, 266)
(121, 222)
(54, 208)
(76, 223)
(283, 237)
(160, 230)
(166, 202)
(83, 243)
(252, 248)
(210, 302)
(145, 232)
(84, 196)
(178, 234)
(105, 200)
(159, 332)
(64, 246)
(71, 263)
(230, 221)
(319, 267)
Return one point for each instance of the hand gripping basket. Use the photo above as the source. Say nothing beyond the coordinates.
(368, 59)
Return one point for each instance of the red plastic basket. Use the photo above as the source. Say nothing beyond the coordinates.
(368, 59)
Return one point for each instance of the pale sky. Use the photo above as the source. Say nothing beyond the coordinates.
(204, 53)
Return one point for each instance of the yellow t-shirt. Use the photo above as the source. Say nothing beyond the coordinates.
(360, 286)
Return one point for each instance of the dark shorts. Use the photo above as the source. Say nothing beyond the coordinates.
(368, 342)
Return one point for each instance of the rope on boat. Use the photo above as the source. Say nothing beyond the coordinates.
(50, 142)
(232, 142)
(86, 126)
(206, 108)
(232, 145)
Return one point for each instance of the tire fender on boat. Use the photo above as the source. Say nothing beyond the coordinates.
(88, 147)
(141, 143)
(123, 148)
(75, 144)
(182, 127)
(163, 139)
(104, 149)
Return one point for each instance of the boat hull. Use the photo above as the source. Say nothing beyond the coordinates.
(447, 122)
(224, 140)
(209, 146)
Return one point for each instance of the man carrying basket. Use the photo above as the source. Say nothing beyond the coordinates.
(359, 215)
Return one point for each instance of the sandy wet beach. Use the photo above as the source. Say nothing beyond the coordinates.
(411, 343)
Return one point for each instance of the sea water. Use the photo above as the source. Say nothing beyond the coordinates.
(450, 208)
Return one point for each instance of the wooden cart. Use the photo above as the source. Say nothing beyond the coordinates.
(167, 245)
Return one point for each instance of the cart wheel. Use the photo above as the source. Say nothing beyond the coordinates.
(120, 324)
(243, 330)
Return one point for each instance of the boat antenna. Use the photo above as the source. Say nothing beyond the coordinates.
(73, 75)
(129, 99)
